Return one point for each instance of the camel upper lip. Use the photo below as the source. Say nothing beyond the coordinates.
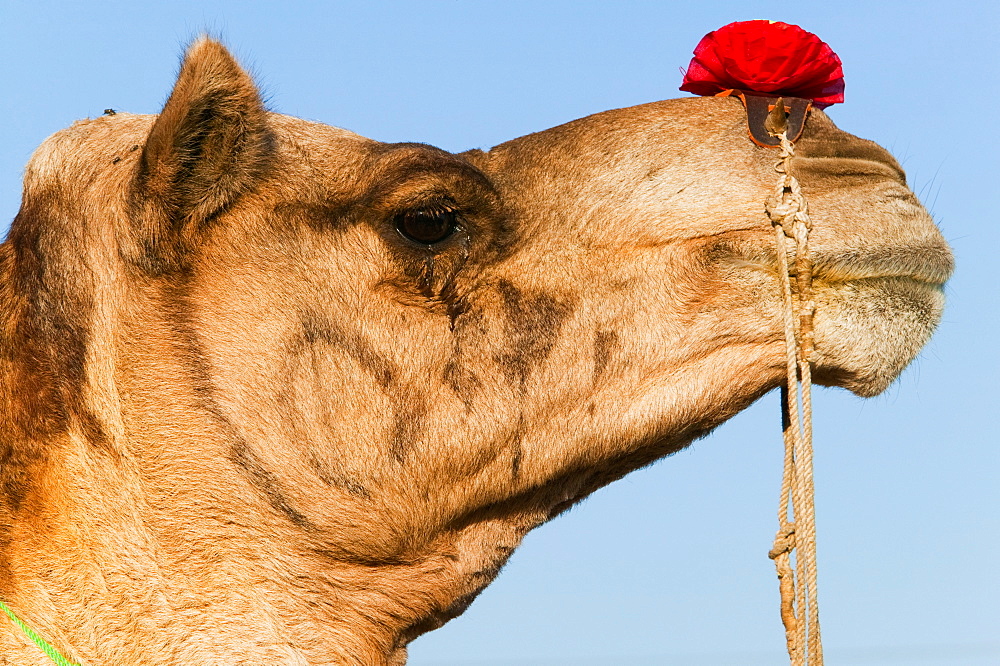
(933, 265)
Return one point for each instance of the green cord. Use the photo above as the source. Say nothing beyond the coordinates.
(39, 641)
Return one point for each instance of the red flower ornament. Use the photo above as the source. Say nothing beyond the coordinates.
(766, 57)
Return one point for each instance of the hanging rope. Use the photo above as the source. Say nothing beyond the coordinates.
(794, 550)
(42, 644)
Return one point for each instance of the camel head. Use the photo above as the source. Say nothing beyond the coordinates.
(278, 393)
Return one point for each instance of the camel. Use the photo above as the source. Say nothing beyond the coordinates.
(276, 393)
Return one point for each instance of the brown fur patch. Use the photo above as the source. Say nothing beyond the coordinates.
(515, 464)
(266, 482)
(605, 344)
(408, 422)
(462, 381)
(407, 427)
(533, 322)
(335, 480)
(316, 329)
(43, 346)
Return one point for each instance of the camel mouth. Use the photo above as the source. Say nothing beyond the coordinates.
(930, 265)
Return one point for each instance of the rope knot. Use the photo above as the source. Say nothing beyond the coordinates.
(784, 542)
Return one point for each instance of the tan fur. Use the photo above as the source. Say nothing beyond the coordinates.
(245, 421)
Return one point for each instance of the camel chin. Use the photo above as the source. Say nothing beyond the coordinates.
(869, 330)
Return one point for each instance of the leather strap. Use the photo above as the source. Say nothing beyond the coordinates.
(758, 105)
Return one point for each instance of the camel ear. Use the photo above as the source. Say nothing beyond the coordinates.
(210, 144)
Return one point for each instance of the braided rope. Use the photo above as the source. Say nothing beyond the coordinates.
(788, 212)
(42, 644)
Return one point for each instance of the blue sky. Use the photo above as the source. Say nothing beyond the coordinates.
(669, 565)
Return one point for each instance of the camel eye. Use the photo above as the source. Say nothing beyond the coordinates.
(427, 226)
